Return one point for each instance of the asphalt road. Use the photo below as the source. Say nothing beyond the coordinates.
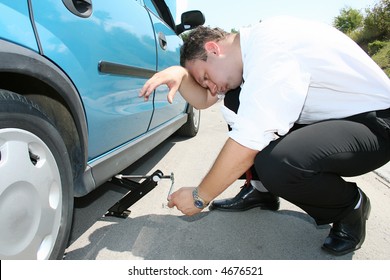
(154, 232)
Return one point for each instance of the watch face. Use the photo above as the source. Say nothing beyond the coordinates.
(198, 204)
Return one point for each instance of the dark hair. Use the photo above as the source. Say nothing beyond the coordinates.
(193, 47)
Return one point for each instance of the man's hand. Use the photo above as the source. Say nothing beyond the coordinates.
(233, 160)
(184, 201)
(172, 77)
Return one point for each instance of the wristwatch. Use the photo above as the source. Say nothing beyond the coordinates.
(198, 201)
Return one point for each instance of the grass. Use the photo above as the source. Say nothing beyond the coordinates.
(382, 58)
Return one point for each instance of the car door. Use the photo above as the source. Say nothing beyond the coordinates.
(168, 54)
(108, 61)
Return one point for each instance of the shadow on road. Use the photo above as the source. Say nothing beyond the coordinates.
(211, 235)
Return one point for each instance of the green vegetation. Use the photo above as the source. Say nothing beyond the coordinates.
(371, 32)
(382, 57)
(348, 20)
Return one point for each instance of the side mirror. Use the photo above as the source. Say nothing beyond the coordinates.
(190, 20)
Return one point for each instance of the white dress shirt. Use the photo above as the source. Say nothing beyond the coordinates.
(296, 71)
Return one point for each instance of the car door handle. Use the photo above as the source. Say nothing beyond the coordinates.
(162, 40)
(81, 8)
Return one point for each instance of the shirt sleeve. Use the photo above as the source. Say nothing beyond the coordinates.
(271, 99)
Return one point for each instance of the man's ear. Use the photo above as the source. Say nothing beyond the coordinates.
(212, 47)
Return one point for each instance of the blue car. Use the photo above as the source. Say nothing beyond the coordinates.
(70, 115)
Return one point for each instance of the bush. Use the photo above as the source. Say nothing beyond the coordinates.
(375, 26)
(382, 57)
(377, 21)
(375, 46)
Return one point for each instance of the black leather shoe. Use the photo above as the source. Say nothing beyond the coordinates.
(348, 234)
(246, 199)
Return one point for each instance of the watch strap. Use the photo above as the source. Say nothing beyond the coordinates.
(198, 201)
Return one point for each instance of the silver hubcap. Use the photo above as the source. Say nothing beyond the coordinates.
(30, 196)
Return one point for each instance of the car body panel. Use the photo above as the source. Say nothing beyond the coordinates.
(163, 110)
(108, 98)
(15, 25)
(70, 76)
(103, 57)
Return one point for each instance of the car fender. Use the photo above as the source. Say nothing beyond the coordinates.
(23, 63)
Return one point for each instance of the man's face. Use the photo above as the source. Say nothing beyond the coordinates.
(215, 74)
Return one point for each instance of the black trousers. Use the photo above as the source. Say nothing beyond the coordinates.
(307, 166)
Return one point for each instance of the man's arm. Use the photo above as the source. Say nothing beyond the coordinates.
(233, 161)
(177, 78)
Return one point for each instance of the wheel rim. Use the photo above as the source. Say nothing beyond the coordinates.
(30, 196)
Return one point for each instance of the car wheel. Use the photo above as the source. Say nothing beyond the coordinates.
(36, 186)
(191, 127)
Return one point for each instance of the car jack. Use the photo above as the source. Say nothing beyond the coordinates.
(137, 191)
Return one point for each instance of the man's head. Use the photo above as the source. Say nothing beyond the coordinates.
(193, 47)
(213, 58)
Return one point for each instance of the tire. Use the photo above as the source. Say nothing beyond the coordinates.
(36, 185)
(191, 127)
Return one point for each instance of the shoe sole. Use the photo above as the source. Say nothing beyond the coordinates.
(262, 206)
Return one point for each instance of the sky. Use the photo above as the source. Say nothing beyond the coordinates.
(228, 14)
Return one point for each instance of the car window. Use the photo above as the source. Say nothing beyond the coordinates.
(172, 4)
(160, 9)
